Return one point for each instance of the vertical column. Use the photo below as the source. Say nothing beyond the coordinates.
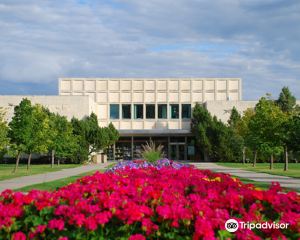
(169, 148)
(131, 147)
(185, 148)
(114, 152)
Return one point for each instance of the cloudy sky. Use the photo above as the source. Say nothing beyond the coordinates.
(256, 40)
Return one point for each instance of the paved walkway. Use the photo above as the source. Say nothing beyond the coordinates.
(287, 182)
(20, 182)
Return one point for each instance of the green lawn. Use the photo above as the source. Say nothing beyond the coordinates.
(6, 169)
(53, 185)
(294, 168)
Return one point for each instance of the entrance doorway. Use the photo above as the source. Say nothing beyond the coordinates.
(177, 151)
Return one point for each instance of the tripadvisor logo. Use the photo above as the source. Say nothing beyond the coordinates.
(232, 225)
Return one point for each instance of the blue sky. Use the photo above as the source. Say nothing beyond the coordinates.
(252, 39)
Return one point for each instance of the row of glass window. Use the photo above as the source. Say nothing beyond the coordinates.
(138, 111)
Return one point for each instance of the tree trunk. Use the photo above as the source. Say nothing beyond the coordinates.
(271, 162)
(52, 158)
(254, 159)
(58, 162)
(244, 155)
(286, 159)
(28, 161)
(17, 162)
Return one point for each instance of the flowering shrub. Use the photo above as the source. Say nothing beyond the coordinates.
(148, 203)
(136, 164)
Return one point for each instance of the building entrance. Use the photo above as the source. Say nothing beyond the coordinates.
(177, 151)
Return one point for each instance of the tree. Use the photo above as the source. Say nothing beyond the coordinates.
(266, 127)
(4, 140)
(38, 139)
(201, 121)
(63, 143)
(286, 100)
(234, 118)
(20, 128)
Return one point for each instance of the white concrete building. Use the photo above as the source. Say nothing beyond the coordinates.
(143, 108)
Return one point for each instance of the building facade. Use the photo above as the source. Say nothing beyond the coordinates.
(151, 109)
(144, 109)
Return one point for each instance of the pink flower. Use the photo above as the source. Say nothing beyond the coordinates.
(56, 224)
(137, 237)
(19, 236)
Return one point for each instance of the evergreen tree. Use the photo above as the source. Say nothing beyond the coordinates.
(286, 100)
(234, 118)
(4, 140)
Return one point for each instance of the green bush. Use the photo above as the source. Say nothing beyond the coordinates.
(151, 153)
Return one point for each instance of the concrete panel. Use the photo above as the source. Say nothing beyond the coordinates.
(173, 124)
(65, 85)
(138, 85)
(114, 97)
(125, 124)
(92, 95)
(102, 123)
(185, 85)
(161, 124)
(65, 94)
(149, 97)
(77, 85)
(116, 124)
(113, 85)
(161, 85)
(221, 96)
(161, 97)
(138, 97)
(137, 124)
(89, 86)
(102, 97)
(233, 85)
(173, 97)
(209, 96)
(125, 85)
(101, 85)
(149, 85)
(185, 97)
(233, 96)
(221, 85)
(149, 124)
(197, 85)
(102, 111)
(125, 97)
(78, 93)
(173, 85)
(209, 85)
(197, 97)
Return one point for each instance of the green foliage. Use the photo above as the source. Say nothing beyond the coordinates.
(4, 140)
(216, 140)
(152, 153)
(286, 100)
(62, 140)
(234, 118)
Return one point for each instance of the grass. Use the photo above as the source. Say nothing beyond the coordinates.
(54, 185)
(6, 170)
(293, 171)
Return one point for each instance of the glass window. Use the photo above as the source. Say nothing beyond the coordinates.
(162, 111)
(186, 111)
(150, 111)
(114, 111)
(126, 111)
(138, 111)
(174, 110)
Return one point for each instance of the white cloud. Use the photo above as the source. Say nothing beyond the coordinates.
(256, 40)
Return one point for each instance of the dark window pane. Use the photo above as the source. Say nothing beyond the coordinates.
(126, 111)
(114, 111)
(150, 111)
(186, 110)
(138, 111)
(174, 111)
(162, 111)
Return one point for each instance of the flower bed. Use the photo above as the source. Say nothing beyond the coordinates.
(165, 203)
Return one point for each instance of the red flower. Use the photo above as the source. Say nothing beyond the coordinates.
(137, 237)
(56, 224)
(19, 236)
